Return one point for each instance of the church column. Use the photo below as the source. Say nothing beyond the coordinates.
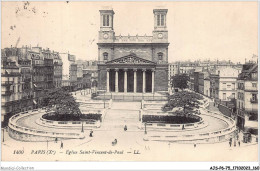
(144, 81)
(153, 70)
(108, 89)
(125, 80)
(135, 79)
(116, 80)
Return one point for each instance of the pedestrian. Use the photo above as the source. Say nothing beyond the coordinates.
(56, 140)
(114, 142)
(239, 143)
(91, 133)
(194, 145)
(182, 127)
(61, 145)
(125, 128)
(230, 143)
(235, 143)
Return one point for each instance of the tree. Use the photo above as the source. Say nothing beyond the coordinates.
(187, 100)
(61, 101)
(180, 81)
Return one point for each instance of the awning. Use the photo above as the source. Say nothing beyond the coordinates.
(34, 102)
(35, 85)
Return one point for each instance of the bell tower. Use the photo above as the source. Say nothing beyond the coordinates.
(106, 33)
(160, 32)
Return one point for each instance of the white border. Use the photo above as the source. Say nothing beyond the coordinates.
(129, 165)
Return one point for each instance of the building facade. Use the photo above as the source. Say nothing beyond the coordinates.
(227, 83)
(57, 62)
(30, 70)
(173, 70)
(214, 86)
(247, 101)
(196, 81)
(133, 63)
(202, 76)
(11, 87)
(26, 78)
(73, 76)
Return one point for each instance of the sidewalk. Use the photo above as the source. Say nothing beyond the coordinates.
(212, 107)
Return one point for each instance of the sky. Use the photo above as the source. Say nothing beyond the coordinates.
(197, 30)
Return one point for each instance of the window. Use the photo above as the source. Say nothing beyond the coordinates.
(233, 86)
(233, 95)
(105, 55)
(254, 75)
(160, 20)
(105, 20)
(160, 55)
(253, 84)
(224, 96)
(254, 97)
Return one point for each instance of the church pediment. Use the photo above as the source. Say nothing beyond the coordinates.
(130, 59)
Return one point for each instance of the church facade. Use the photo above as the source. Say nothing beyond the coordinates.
(133, 63)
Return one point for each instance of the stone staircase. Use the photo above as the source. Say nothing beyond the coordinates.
(126, 105)
(118, 118)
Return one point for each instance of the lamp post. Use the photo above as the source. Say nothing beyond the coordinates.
(104, 101)
(82, 129)
(3, 134)
(145, 132)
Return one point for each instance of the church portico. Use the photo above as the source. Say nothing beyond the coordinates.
(130, 79)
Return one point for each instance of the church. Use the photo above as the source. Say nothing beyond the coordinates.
(133, 64)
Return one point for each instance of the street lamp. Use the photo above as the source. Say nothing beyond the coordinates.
(104, 101)
(82, 130)
(3, 134)
(145, 132)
